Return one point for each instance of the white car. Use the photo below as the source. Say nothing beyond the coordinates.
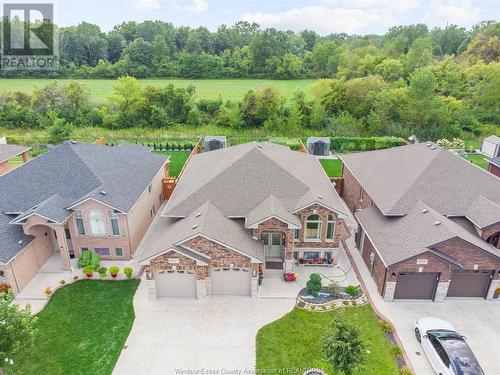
(447, 351)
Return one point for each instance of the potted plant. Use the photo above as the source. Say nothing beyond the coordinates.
(290, 277)
(128, 272)
(88, 270)
(302, 261)
(102, 271)
(114, 271)
(497, 293)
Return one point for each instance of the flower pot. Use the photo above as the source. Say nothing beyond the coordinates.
(89, 275)
(114, 275)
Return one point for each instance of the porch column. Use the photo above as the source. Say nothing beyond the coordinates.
(63, 247)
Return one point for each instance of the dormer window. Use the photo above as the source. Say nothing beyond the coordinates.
(313, 227)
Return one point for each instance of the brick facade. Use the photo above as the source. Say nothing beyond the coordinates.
(489, 231)
(275, 225)
(353, 193)
(494, 170)
(323, 214)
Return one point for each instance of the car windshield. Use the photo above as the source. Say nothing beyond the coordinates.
(462, 360)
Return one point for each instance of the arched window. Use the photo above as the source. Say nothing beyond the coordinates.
(97, 223)
(330, 229)
(313, 227)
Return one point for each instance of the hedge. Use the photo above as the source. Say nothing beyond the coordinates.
(350, 144)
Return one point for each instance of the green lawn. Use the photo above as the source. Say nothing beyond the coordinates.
(332, 167)
(233, 89)
(177, 160)
(294, 342)
(82, 329)
(478, 159)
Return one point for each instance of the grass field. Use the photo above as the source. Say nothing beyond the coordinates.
(82, 329)
(478, 159)
(232, 89)
(294, 342)
(177, 161)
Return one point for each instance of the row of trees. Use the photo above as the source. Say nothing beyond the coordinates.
(442, 100)
(159, 49)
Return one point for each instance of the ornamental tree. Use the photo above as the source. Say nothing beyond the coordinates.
(17, 328)
(314, 284)
(344, 349)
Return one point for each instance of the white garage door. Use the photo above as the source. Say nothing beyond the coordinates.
(179, 284)
(231, 281)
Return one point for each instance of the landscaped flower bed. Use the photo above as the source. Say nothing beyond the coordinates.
(326, 301)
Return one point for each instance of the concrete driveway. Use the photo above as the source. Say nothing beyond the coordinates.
(169, 336)
(476, 319)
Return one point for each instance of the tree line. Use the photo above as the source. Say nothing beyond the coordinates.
(159, 49)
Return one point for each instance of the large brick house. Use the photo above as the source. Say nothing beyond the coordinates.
(77, 196)
(429, 222)
(238, 212)
(494, 166)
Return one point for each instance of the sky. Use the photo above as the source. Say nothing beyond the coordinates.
(323, 16)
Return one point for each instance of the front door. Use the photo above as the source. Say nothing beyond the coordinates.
(273, 246)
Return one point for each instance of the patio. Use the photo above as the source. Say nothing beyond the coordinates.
(273, 285)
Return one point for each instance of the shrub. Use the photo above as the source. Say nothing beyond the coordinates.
(128, 272)
(102, 271)
(344, 349)
(314, 284)
(113, 270)
(84, 259)
(386, 326)
(397, 352)
(405, 371)
(334, 289)
(352, 290)
(88, 270)
(48, 291)
(4, 287)
(62, 282)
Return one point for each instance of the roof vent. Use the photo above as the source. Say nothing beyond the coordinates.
(436, 223)
(320, 196)
(429, 144)
(433, 147)
(194, 226)
(198, 214)
(259, 146)
(74, 142)
(34, 207)
(425, 210)
(20, 242)
(103, 192)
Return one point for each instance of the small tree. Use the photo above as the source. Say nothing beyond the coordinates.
(60, 131)
(344, 349)
(17, 329)
(314, 284)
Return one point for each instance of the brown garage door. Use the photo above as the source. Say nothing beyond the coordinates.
(469, 283)
(416, 285)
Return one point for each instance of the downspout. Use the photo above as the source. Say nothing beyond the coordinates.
(15, 277)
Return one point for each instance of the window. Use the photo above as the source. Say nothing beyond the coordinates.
(103, 251)
(119, 252)
(296, 235)
(159, 198)
(79, 223)
(296, 255)
(115, 228)
(327, 255)
(313, 227)
(330, 229)
(2, 276)
(97, 223)
(311, 255)
(149, 189)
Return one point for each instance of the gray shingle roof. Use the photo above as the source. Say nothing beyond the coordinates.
(314, 139)
(239, 178)
(400, 238)
(397, 178)
(12, 238)
(493, 139)
(494, 161)
(207, 221)
(9, 151)
(72, 172)
(220, 138)
(271, 207)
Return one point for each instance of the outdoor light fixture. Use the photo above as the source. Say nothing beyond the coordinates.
(393, 275)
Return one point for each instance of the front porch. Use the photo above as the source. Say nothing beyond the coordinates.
(274, 286)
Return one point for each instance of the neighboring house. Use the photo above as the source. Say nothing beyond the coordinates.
(8, 152)
(239, 211)
(75, 197)
(491, 146)
(494, 166)
(318, 146)
(211, 143)
(429, 222)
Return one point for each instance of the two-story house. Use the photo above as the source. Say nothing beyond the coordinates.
(77, 196)
(239, 212)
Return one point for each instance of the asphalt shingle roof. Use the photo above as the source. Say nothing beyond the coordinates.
(68, 174)
(494, 161)
(207, 221)
(400, 238)
(397, 178)
(12, 238)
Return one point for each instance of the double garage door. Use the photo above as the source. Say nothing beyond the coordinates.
(225, 281)
(421, 285)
